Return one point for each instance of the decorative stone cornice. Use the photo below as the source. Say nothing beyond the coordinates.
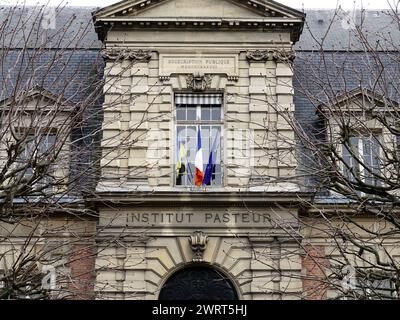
(271, 55)
(199, 81)
(126, 54)
(198, 242)
(259, 196)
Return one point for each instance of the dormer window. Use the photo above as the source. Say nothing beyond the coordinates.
(361, 157)
(38, 156)
(199, 122)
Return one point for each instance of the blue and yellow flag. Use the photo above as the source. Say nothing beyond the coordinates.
(182, 155)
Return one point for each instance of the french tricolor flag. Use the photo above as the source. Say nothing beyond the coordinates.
(198, 162)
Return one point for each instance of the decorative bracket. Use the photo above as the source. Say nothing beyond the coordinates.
(198, 241)
(199, 81)
(126, 54)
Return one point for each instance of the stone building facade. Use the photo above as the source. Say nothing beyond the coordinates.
(177, 72)
(165, 54)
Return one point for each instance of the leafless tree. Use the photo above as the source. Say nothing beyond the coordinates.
(51, 115)
(348, 155)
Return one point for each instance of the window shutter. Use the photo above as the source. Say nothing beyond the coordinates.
(203, 99)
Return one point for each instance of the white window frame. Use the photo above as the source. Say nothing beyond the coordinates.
(360, 149)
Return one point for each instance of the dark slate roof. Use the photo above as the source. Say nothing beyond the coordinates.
(70, 73)
(376, 23)
(322, 76)
(73, 27)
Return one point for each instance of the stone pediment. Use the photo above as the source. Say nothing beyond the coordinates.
(197, 8)
(41, 97)
(358, 100)
(198, 14)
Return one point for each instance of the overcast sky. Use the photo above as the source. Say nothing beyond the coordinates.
(372, 4)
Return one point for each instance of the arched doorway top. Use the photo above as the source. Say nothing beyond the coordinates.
(198, 283)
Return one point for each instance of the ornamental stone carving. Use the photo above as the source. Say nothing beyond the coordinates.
(198, 241)
(258, 55)
(271, 55)
(126, 54)
(283, 55)
(199, 81)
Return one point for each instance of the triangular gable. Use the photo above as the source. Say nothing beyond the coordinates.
(205, 14)
(350, 98)
(36, 92)
(199, 9)
(263, 8)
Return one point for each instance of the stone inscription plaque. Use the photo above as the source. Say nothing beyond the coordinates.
(184, 64)
(188, 219)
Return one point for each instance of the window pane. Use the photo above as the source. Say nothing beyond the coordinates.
(38, 147)
(181, 138)
(191, 171)
(366, 150)
(191, 142)
(205, 143)
(348, 158)
(217, 175)
(347, 165)
(46, 144)
(205, 113)
(191, 113)
(375, 153)
(216, 113)
(181, 114)
(354, 142)
(371, 159)
(216, 141)
(181, 132)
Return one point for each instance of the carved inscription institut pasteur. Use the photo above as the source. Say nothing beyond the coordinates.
(189, 219)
